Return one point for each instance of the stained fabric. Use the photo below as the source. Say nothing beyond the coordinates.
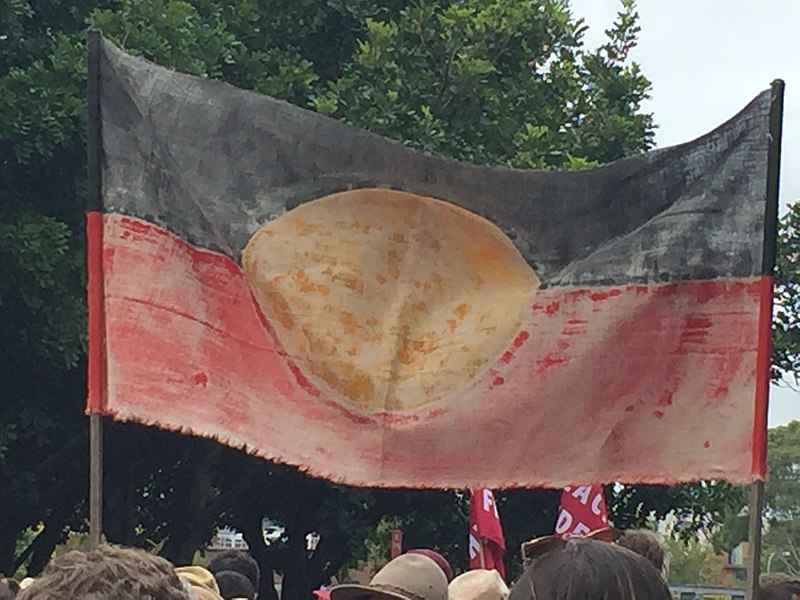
(327, 298)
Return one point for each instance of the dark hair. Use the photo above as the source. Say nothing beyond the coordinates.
(578, 569)
(778, 586)
(238, 561)
(8, 589)
(234, 585)
(645, 543)
(107, 573)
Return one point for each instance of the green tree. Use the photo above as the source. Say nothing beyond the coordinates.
(781, 542)
(782, 499)
(785, 331)
(496, 82)
(693, 561)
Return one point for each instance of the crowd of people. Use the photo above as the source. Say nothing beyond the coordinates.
(628, 567)
(116, 573)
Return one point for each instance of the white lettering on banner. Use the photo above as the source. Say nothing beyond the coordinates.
(564, 522)
(580, 529)
(582, 493)
(596, 503)
(474, 546)
(488, 502)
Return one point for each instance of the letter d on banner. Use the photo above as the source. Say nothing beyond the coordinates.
(564, 523)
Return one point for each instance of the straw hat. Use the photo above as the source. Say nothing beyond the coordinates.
(407, 577)
(201, 582)
(203, 593)
(479, 584)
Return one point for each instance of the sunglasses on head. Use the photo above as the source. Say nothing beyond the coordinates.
(537, 547)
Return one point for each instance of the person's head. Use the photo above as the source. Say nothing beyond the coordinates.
(235, 585)
(201, 582)
(479, 584)
(107, 573)
(239, 562)
(407, 577)
(778, 586)
(8, 589)
(437, 558)
(645, 543)
(578, 569)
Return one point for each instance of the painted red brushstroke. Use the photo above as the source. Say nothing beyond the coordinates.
(651, 383)
(96, 367)
(763, 372)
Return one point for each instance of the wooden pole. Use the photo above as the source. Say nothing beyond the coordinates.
(96, 376)
(482, 555)
(754, 537)
(762, 401)
(95, 480)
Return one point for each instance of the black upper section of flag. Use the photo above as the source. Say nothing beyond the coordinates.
(213, 163)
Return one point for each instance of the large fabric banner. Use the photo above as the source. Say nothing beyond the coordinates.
(324, 297)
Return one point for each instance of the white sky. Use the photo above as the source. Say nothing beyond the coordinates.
(707, 59)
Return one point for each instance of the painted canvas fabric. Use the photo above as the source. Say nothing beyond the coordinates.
(330, 299)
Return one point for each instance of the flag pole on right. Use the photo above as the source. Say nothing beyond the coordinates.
(765, 342)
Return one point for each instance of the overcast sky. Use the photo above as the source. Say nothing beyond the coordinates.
(707, 59)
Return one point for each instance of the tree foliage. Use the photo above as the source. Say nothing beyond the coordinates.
(496, 82)
(781, 544)
(785, 330)
(693, 561)
(504, 82)
(782, 499)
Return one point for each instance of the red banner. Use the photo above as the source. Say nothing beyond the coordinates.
(487, 545)
(582, 510)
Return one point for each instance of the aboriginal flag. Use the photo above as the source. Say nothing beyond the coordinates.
(322, 296)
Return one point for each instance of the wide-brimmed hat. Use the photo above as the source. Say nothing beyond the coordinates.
(407, 577)
(480, 584)
(201, 582)
(198, 577)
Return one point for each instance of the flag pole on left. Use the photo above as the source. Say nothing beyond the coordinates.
(96, 375)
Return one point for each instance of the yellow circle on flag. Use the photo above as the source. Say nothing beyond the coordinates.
(387, 300)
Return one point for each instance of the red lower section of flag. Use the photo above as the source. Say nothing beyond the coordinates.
(487, 543)
(763, 376)
(649, 383)
(582, 510)
(95, 301)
